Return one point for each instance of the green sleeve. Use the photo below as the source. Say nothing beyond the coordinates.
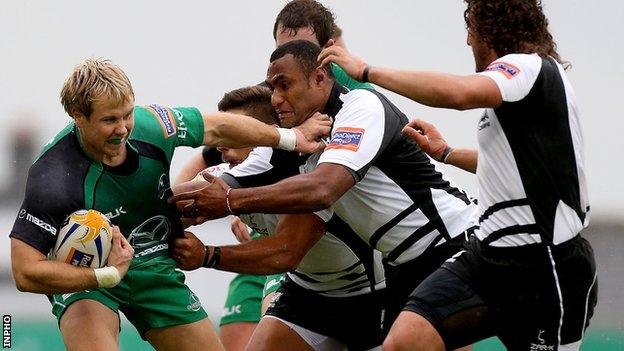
(167, 127)
(344, 79)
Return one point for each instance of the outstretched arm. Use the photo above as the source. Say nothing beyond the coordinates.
(299, 194)
(428, 88)
(238, 131)
(431, 141)
(281, 252)
(195, 165)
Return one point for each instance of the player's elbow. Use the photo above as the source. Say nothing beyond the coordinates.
(22, 282)
(460, 99)
(214, 125)
(290, 258)
(325, 195)
(291, 262)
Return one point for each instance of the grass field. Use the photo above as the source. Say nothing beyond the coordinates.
(40, 336)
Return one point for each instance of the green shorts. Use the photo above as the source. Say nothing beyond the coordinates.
(151, 295)
(245, 294)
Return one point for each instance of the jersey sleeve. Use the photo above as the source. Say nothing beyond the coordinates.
(358, 133)
(263, 166)
(40, 216)
(514, 75)
(167, 127)
(346, 80)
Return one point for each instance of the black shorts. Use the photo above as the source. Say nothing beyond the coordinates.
(532, 298)
(355, 321)
(403, 279)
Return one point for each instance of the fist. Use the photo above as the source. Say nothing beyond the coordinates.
(187, 187)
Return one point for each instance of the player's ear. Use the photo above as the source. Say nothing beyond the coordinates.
(320, 75)
(79, 118)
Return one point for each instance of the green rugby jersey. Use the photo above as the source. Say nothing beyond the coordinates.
(133, 195)
(346, 80)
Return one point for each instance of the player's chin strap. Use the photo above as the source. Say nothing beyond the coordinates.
(107, 277)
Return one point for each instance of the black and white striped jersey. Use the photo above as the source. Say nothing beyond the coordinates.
(531, 170)
(401, 204)
(340, 264)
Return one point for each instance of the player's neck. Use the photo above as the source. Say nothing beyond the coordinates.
(115, 160)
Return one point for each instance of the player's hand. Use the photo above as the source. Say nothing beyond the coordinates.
(311, 132)
(204, 203)
(427, 136)
(240, 230)
(121, 253)
(197, 183)
(188, 252)
(351, 64)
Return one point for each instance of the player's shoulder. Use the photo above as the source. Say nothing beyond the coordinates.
(512, 65)
(362, 99)
(155, 123)
(60, 157)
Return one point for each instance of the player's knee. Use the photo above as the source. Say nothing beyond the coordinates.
(86, 317)
(412, 332)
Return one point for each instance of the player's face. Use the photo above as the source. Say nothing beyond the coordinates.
(105, 133)
(295, 97)
(235, 156)
(284, 36)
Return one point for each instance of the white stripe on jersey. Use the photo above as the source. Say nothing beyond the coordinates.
(567, 223)
(577, 139)
(516, 240)
(506, 217)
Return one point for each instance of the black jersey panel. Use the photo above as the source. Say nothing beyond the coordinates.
(361, 249)
(538, 130)
(54, 190)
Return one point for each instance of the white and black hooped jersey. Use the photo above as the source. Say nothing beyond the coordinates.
(340, 264)
(401, 204)
(531, 168)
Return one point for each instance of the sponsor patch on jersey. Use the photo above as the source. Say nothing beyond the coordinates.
(79, 258)
(165, 117)
(505, 68)
(346, 138)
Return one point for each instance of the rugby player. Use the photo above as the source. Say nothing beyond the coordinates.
(114, 157)
(371, 180)
(307, 20)
(333, 272)
(527, 275)
(243, 306)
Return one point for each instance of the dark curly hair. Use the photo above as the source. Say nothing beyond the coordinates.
(512, 26)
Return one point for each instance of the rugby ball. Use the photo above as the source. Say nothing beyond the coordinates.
(85, 239)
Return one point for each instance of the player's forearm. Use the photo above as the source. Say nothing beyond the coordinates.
(52, 277)
(190, 169)
(237, 131)
(428, 88)
(261, 256)
(465, 159)
(299, 194)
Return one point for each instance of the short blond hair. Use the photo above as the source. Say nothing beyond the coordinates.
(94, 79)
